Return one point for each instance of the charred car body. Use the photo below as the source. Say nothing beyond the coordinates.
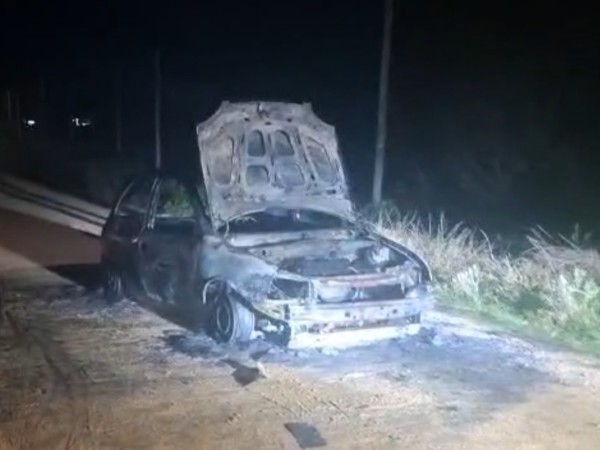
(266, 239)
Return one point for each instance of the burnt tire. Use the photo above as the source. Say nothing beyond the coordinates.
(230, 322)
(112, 285)
(414, 319)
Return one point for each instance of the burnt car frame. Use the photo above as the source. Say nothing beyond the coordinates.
(264, 238)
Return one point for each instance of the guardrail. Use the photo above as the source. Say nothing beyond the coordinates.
(38, 201)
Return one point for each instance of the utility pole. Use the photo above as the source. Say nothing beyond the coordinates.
(71, 94)
(8, 106)
(118, 122)
(42, 108)
(157, 149)
(383, 102)
(18, 114)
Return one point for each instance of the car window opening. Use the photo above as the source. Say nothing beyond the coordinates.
(284, 219)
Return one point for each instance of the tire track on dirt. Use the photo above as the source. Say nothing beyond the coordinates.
(64, 376)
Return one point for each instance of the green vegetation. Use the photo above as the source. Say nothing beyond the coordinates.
(550, 288)
(177, 205)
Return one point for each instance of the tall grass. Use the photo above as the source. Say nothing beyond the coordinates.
(550, 286)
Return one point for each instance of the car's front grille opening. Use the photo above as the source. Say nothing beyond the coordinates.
(349, 294)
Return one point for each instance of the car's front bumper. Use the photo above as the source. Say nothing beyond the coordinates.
(352, 324)
(301, 315)
(358, 313)
(348, 323)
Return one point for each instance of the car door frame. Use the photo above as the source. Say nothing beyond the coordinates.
(122, 252)
(185, 243)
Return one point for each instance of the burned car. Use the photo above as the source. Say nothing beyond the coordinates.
(265, 238)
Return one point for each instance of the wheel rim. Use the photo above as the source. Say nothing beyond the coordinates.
(113, 282)
(223, 317)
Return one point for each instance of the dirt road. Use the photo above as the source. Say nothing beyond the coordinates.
(75, 374)
(35, 252)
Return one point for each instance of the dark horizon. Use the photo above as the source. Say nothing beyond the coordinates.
(525, 75)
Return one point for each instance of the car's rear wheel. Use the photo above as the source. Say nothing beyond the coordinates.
(229, 320)
(414, 319)
(112, 285)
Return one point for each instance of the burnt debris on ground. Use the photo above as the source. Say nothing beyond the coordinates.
(481, 370)
(306, 435)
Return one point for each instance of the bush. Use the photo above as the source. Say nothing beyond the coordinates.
(551, 286)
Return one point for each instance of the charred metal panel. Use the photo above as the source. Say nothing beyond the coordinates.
(276, 167)
(248, 275)
(263, 154)
(357, 313)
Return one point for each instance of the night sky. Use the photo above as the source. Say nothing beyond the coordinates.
(450, 59)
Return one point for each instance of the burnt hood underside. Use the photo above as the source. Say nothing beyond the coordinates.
(258, 155)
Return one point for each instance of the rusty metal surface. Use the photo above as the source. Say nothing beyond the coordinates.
(288, 267)
(223, 142)
(358, 312)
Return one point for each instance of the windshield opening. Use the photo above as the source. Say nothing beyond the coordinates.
(284, 219)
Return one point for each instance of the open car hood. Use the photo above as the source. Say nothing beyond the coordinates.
(258, 155)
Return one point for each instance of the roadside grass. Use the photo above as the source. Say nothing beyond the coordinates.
(549, 288)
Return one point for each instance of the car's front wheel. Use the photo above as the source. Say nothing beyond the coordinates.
(112, 285)
(229, 320)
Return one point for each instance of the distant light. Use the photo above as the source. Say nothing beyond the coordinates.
(79, 122)
(29, 122)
